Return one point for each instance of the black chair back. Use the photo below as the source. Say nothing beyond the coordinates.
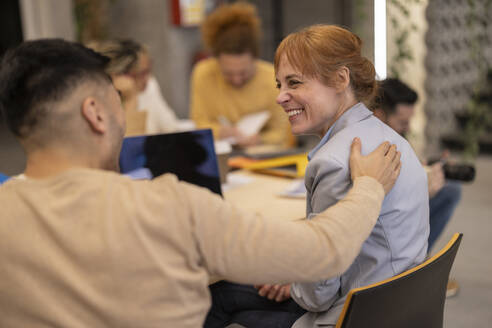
(414, 298)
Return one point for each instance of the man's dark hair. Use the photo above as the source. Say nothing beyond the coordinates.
(392, 92)
(42, 71)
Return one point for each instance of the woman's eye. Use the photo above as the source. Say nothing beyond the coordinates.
(277, 85)
(293, 83)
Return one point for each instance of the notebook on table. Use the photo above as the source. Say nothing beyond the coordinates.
(189, 155)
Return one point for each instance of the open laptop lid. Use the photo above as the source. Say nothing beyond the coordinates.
(189, 155)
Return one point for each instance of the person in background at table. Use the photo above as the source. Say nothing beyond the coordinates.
(234, 82)
(395, 106)
(84, 246)
(323, 82)
(131, 68)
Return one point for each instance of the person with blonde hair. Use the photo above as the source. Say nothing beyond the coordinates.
(235, 82)
(131, 68)
(323, 83)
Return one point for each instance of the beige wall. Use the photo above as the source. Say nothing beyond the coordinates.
(47, 19)
(363, 25)
(414, 72)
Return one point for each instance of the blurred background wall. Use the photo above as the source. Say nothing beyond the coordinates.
(459, 58)
(47, 19)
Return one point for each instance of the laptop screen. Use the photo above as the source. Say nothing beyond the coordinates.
(189, 155)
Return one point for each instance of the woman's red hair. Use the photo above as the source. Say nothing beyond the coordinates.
(319, 51)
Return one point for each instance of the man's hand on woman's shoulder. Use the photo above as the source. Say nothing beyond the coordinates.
(383, 164)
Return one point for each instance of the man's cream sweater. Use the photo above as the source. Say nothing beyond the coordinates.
(90, 248)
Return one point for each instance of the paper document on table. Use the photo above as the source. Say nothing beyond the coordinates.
(235, 180)
(296, 189)
(249, 125)
(253, 123)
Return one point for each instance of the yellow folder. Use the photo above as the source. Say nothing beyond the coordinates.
(275, 166)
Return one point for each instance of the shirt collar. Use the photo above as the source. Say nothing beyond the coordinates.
(324, 140)
(354, 114)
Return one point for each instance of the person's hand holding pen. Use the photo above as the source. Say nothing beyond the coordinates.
(227, 130)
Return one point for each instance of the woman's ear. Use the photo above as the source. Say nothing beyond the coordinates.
(342, 79)
(93, 113)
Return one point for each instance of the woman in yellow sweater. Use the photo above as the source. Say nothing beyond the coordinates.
(235, 83)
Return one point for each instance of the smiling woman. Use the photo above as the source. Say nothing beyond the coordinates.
(323, 83)
(321, 74)
(312, 106)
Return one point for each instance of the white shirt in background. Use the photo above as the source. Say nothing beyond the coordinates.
(160, 117)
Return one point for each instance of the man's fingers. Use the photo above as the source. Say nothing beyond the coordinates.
(355, 147)
(383, 148)
(391, 153)
(398, 158)
(398, 168)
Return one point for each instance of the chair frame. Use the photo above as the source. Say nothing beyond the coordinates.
(456, 239)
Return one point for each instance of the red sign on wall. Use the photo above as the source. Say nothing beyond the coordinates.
(187, 12)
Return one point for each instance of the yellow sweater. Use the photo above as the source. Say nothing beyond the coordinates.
(212, 97)
(90, 248)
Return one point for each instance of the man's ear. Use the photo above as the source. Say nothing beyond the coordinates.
(93, 113)
(379, 113)
(342, 79)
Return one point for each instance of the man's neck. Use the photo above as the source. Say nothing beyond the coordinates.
(50, 162)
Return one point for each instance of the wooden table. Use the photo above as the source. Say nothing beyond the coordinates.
(260, 194)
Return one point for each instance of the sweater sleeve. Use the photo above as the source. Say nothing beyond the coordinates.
(201, 112)
(248, 248)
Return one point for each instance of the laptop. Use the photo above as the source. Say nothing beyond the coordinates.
(189, 155)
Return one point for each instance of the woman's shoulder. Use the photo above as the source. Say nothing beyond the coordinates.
(337, 147)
